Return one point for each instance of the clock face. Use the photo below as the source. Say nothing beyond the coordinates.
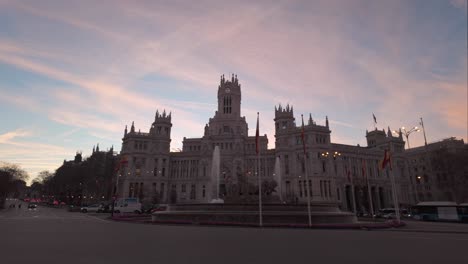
(227, 90)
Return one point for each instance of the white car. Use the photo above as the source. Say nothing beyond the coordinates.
(91, 208)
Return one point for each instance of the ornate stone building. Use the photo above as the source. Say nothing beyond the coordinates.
(335, 171)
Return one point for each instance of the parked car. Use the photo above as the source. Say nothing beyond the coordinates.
(74, 208)
(91, 208)
(32, 206)
(105, 208)
(160, 207)
(147, 208)
(390, 213)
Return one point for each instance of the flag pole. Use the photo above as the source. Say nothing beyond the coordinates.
(257, 141)
(306, 174)
(352, 186)
(395, 198)
(371, 205)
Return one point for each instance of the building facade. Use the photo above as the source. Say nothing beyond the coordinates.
(439, 171)
(337, 173)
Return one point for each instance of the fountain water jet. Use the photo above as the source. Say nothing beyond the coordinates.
(278, 179)
(215, 175)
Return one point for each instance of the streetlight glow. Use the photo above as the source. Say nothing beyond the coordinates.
(407, 133)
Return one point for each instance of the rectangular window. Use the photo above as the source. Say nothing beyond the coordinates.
(183, 188)
(310, 188)
(321, 188)
(130, 190)
(161, 190)
(193, 192)
(300, 188)
(286, 164)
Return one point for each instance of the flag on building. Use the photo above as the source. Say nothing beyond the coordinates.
(375, 119)
(123, 161)
(364, 168)
(257, 137)
(387, 160)
(347, 173)
(303, 136)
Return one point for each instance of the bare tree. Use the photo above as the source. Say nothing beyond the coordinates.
(10, 176)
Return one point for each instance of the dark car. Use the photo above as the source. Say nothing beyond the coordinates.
(160, 207)
(32, 206)
(147, 208)
(74, 208)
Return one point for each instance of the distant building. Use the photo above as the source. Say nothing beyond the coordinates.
(84, 181)
(439, 171)
(152, 172)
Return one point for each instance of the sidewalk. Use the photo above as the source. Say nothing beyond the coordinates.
(433, 227)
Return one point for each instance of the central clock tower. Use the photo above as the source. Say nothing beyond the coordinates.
(229, 97)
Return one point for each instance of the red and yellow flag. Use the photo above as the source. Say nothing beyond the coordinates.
(387, 160)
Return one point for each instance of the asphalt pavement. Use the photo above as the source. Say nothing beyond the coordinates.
(51, 235)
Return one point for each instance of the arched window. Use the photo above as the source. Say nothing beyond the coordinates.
(227, 100)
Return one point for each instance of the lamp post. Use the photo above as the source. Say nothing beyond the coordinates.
(407, 133)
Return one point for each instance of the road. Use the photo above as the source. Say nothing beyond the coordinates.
(51, 235)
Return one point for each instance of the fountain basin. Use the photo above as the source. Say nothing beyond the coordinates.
(321, 213)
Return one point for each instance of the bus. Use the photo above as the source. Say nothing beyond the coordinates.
(463, 212)
(440, 211)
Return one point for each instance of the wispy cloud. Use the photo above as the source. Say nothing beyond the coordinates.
(7, 137)
(341, 59)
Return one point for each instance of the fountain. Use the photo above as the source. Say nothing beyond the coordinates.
(215, 175)
(216, 211)
(278, 179)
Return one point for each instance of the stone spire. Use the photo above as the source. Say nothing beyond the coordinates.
(125, 131)
(132, 128)
(97, 147)
(326, 121)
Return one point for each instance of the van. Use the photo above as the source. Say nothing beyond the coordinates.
(128, 205)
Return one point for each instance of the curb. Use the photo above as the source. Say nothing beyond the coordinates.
(356, 226)
(429, 231)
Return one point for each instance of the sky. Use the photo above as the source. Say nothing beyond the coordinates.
(74, 73)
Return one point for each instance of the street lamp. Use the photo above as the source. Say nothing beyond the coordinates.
(407, 133)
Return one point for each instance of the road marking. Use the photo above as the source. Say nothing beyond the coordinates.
(97, 218)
